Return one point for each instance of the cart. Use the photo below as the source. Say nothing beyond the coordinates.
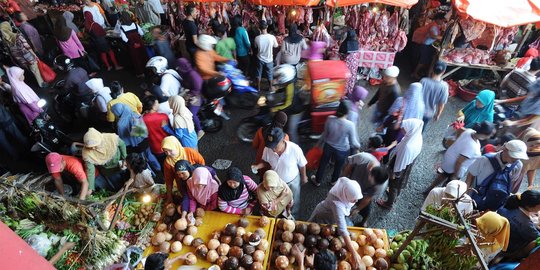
(326, 80)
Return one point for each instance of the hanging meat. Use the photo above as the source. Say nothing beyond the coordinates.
(309, 16)
(381, 25)
(301, 15)
(472, 29)
(505, 36)
(393, 25)
(400, 41)
(281, 21)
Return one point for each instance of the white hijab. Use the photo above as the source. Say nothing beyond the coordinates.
(97, 87)
(347, 192)
(410, 146)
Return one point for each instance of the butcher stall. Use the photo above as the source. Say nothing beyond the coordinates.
(483, 36)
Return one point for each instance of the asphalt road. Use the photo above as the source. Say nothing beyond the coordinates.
(225, 145)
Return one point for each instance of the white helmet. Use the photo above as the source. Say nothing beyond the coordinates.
(284, 74)
(205, 42)
(158, 64)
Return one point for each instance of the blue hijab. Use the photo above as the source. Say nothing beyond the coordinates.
(414, 102)
(127, 119)
(476, 115)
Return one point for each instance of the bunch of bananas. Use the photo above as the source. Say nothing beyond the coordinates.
(413, 257)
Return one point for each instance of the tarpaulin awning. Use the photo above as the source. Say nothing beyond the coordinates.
(396, 3)
(285, 2)
(503, 13)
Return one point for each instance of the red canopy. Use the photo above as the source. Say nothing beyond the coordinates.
(17, 254)
(397, 3)
(504, 13)
(285, 2)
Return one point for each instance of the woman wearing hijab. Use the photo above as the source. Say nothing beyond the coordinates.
(30, 32)
(531, 137)
(357, 97)
(175, 152)
(69, 43)
(202, 190)
(412, 103)
(102, 93)
(131, 33)
(496, 230)
(336, 208)
(182, 125)
(291, 49)
(99, 40)
(68, 16)
(402, 159)
(193, 81)
(132, 130)
(234, 196)
(23, 95)
(274, 196)
(350, 44)
(104, 151)
(478, 110)
(20, 51)
(454, 189)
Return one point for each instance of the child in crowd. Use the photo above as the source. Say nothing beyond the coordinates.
(140, 175)
(376, 147)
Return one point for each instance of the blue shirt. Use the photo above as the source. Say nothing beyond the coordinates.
(186, 138)
(433, 30)
(522, 229)
(241, 39)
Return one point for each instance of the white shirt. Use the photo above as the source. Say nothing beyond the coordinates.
(287, 165)
(266, 43)
(96, 15)
(481, 168)
(170, 84)
(157, 6)
(143, 179)
(435, 198)
(128, 28)
(465, 146)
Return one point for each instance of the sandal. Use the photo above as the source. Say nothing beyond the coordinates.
(314, 181)
(384, 204)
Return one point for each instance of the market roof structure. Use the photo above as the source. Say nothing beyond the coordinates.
(503, 13)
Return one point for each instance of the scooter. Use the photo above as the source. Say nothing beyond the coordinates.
(211, 114)
(48, 138)
(243, 95)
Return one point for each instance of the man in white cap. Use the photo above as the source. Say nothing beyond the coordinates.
(386, 95)
(506, 163)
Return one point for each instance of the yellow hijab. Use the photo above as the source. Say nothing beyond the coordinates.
(99, 147)
(7, 33)
(495, 228)
(277, 187)
(172, 143)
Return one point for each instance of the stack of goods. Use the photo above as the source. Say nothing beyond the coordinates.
(470, 56)
(196, 243)
(371, 244)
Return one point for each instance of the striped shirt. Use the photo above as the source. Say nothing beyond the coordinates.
(236, 206)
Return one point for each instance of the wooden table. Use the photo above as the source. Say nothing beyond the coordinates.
(494, 69)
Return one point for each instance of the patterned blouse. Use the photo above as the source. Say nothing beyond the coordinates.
(21, 52)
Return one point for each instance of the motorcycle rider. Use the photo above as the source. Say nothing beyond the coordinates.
(206, 57)
(169, 78)
(75, 80)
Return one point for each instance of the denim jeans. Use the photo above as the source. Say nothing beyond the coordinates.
(292, 127)
(339, 157)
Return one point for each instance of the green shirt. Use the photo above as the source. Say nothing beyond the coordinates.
(225, 47)
(121, 154)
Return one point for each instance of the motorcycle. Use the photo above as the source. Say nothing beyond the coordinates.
(243, 95)
(211, 114)
(67, 107)
(48, 138)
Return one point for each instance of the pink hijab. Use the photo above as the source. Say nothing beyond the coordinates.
(22, 93)
(201, 176)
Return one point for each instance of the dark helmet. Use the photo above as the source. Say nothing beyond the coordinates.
(217, 87)
(63, 63)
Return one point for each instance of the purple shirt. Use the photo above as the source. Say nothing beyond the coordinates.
(32, 34)
(72, 47)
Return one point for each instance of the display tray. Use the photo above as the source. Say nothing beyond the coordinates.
(357, 230)
(216, 221)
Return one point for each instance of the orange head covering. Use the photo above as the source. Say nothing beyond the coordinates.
(495, 228)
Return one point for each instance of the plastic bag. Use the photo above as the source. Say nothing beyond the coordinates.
(47, 74)
(313, 157)
(40, 243)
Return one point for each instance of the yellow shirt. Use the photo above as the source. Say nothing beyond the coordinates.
(130, 99)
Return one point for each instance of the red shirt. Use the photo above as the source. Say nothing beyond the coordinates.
(74, 166)
(156, 134)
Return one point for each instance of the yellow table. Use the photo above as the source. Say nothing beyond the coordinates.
(216, 221)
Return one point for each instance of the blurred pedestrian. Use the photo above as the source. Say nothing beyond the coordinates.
(99, 40)
(131, 33)
(23, 95)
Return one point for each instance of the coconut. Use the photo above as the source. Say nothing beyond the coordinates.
(199, 212)
(368, 261)
(238, 241)
(187, 240)
(258, 256)
(240, 231)
(213, 244)
(344, 265)
(301, 228)
(288, 225)
(236, 252)
(278, 234)
(181, 224)
(230, 230)
(323, 243)
(260, 232)
(263, 245)
(223, 249)
(212, 256)
(264, 221)
(160, 238)
(369, 250)
(197, 242)
(246, 261)
(353, 236)
(231, 264)
(314, 228)
(246, 236)
(355, 245)
(165, 247)
(201, 251)
(362, 240)
(341, 254)
(161, 227)
(254, 239)
(198, 221)
(277, 244)
(285, 248)
(257, 266)
(336, 244)
(191, 259)
(379, 243)
(192, 230)
(327, 231)
(249, 249)
(381, 264)
(379, 233)
(310, 241)
(287, 236)
(298, 238)
(380, 253)
(243, 222)
(168, 236)
(221, 261)
(282, 262)
(176, 246)
(226, 239)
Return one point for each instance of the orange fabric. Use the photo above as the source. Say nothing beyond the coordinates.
(285, 2)
(193, 157)
(258, 144)
(205, 62)
(397, 3)
(503, 13)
